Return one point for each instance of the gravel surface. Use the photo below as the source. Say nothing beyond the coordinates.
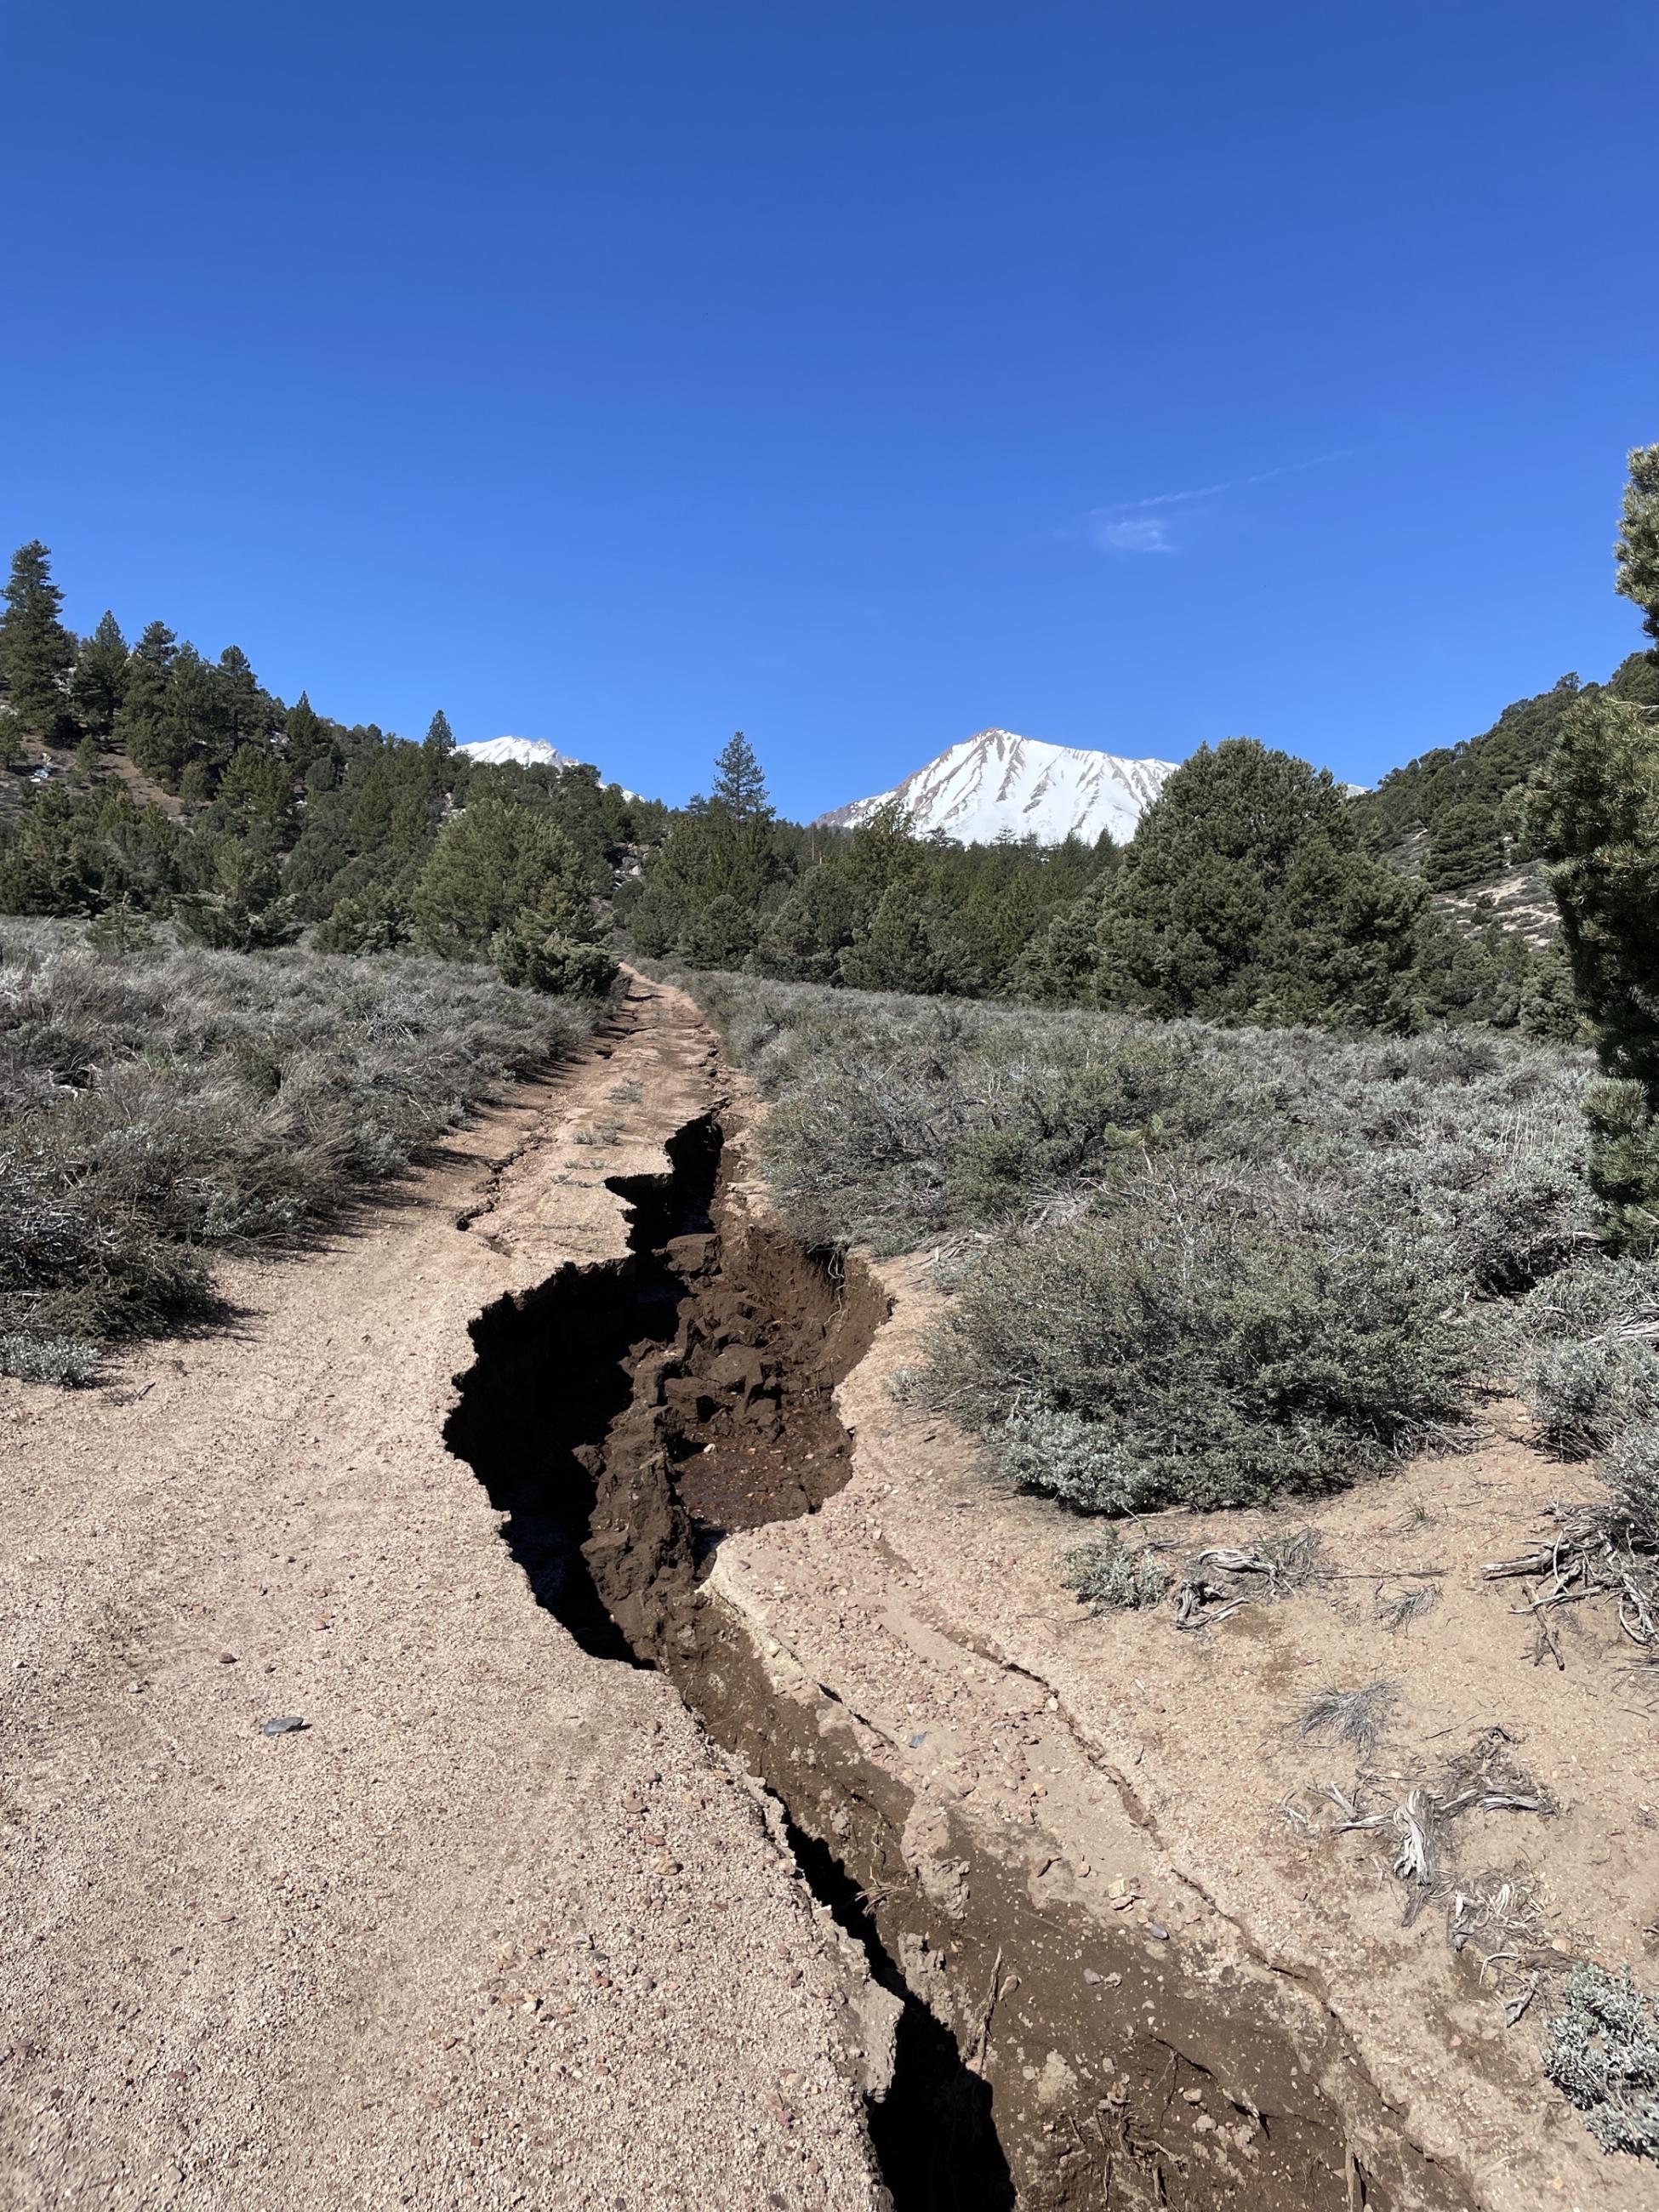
(494, 1925)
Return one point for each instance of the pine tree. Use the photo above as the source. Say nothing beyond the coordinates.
(100, 683)
(882, 851)
(720, 934)
(1595, 817)
(913, 942)
(198, 718)
(491, 866)
(1637, 548)
(726, 847)
(244, 909)
(803, 941)
(1060, 964)
(739, 786)
(255, 791)
(1549, 1010)
(246, 711)
(441, 771)
(1245, 892)
(36, 652)
(307, 737)
(139, 722)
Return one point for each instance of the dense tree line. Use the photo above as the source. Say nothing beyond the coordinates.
(1249, 891)
(197, 794)
(874, 907)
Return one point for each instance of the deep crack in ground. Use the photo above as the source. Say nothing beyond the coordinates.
(739, 1364)
(624, 1415)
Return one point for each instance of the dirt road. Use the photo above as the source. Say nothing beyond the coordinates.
(496, 1927)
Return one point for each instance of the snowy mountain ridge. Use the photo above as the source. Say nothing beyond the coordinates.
(527, 752)
(999, 783)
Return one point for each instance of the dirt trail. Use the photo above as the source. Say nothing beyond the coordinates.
(497, 1927)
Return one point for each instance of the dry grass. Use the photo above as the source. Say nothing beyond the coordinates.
(1399, 1608)
(158, 1107)
(1354, 1716)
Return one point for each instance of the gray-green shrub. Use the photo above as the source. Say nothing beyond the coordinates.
(1113, 1576)
(1194, 1264)
(1582, 1393)
(1602, 2052)
(158, 1108)
(1631, 1472)
(1196, 1355)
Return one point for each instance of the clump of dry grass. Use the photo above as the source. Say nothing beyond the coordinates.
(1399, 1608)
(159, 1108)
(1355, 1717)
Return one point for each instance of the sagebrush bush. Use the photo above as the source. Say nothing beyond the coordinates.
(68, 1361)
(1196, 1265)
(158, 1107)
(1113, 1576)
(1199, 1356)
(1580, 1394)
(1602, 2052)
(1631, 1472)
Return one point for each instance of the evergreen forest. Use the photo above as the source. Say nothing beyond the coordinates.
(142, 782)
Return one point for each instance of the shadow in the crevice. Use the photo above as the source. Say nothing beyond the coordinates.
(554, 1368)
(933, 2134)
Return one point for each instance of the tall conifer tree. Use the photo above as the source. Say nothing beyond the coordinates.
(740, 782)
(140, 721)
(1637, 548)
(36, 652)
(1594, 816)
(100, 682)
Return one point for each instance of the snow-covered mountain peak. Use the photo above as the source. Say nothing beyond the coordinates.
(999, 783)
(528, 752)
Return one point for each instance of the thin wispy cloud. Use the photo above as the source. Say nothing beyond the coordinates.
(1134, 525)
(1131, 533)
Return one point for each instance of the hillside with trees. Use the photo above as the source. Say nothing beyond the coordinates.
(148, 781)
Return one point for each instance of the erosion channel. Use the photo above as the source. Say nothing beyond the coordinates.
(626, 1415)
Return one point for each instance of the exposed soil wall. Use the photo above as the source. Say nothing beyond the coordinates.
(628, 1415)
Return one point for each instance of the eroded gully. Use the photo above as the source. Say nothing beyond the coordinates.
(624, 1416)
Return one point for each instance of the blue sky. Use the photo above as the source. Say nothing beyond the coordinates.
(856, 374)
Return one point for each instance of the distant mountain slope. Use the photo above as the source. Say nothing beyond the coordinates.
(1457, 815)
(528, 752)
(524, 752)
(998, 783)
